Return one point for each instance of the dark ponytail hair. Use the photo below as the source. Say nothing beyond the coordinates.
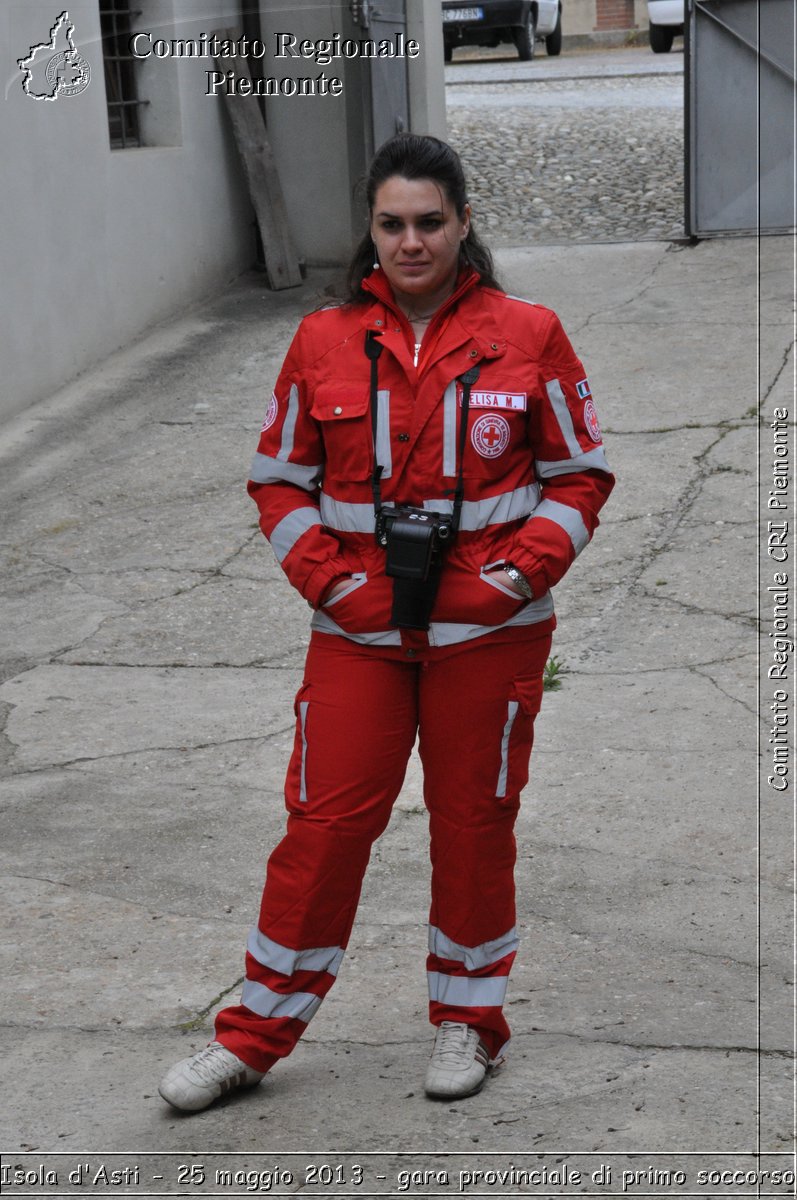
(418, 156)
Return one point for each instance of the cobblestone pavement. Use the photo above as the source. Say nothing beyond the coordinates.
(585, 160)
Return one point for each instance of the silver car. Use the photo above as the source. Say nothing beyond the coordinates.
(524, 22)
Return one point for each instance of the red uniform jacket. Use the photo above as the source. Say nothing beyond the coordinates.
(534, 469)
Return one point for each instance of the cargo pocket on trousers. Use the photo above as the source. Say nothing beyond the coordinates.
(523, 704)
(296, 780)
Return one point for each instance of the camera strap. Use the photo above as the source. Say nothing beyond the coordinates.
(467, 380)
(373, 348)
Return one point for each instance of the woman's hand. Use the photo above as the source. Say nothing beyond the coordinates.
(338, 586)
(508, 582)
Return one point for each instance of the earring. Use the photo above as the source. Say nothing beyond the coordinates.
(376, 257)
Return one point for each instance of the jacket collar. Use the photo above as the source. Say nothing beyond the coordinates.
(477, 325)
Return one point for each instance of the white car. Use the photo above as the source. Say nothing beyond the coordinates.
(665, 20)
(489, 22)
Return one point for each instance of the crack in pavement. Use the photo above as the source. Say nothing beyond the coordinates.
(692, 608)
(195, 1022)
(535, 1034)
(91, 758)
(728, 425)
(205, 577)
(646, 516)
(255, 664)
(703, 1047)
(622, 673)
(630, 583)
(217, 571)
(79, 580)
(783, 366)
(81, 890)
(749, 708)
(645, 284)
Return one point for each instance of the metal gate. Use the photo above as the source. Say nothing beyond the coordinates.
(386, 90)
(740, 116)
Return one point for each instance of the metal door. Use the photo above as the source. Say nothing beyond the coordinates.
(386, 83)
(740, 116)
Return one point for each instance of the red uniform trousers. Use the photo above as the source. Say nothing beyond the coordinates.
(357, 718)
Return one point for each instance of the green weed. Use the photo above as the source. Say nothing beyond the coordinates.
(551, 676)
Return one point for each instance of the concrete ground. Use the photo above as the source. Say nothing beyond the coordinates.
(151, 650)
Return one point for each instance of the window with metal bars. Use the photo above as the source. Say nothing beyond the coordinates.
(124, 104)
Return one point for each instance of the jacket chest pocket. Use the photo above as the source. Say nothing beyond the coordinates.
(343, 413)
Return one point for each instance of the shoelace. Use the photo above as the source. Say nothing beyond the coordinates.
(212, 1065)
(452, 1040)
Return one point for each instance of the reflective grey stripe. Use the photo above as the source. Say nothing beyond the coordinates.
(473, 957)
(357, 581)
(289, 428)
(303, 707)
(384, 452)
(512, 708)
(522, 300)
(441, 633)
(301, 1006)
(271, 470)
(286, 534)
(487, 577)
(566, 518)
(562, 414)
(450, 429)
(594, 460)
(323, 623)
(285, 961)
(344, 517)
(496, 510)
(461, 991)
(450, 633)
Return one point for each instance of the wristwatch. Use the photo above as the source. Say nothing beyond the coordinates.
(519, 579)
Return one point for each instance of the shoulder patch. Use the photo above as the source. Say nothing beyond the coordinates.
(271, 414)
(591, 420)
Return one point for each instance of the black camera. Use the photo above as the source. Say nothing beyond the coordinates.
(413, 538)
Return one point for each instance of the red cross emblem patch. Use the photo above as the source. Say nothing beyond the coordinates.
(591, 421)
(490, 435)
(271, 414)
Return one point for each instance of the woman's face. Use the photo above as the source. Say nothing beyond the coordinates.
(417, 233)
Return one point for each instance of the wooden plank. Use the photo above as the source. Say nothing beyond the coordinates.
(265, 191)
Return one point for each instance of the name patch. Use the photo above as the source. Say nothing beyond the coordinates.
(513, 401)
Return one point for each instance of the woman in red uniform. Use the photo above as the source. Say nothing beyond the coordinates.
(430, 465)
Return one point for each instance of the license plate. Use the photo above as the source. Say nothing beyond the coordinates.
(463, 14)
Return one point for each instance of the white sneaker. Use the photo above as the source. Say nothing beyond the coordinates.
(459, 1062)
(196, 1082)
